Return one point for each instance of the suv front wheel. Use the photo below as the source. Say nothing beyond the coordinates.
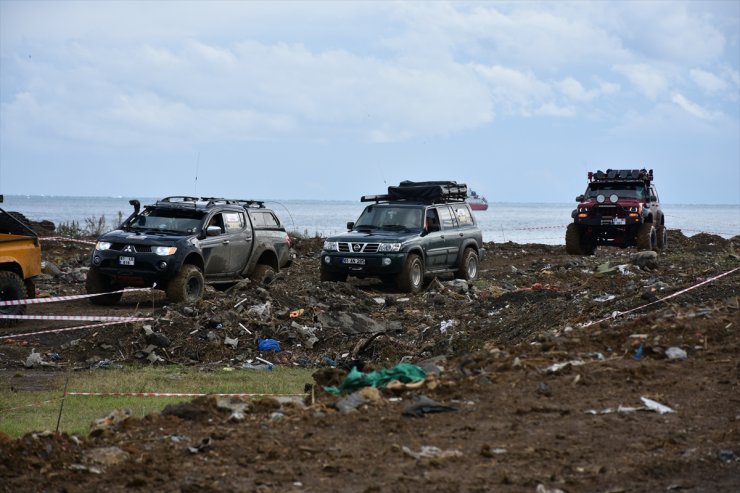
(188, 285)
(647, 237)
(468, 268)
(411, 277)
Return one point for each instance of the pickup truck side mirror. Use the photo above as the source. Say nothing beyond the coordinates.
(213, 231)
(350, 225)
(580, 198)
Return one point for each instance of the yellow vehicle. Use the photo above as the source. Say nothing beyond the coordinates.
(20, 263)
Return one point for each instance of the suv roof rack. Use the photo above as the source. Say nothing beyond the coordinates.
(422, 191)
(621, 175)
(206, 202)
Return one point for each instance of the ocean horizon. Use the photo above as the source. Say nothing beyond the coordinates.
(536, 222)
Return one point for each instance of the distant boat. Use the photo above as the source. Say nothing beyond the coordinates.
(477, 202)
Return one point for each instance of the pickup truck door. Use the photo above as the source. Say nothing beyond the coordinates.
(241, 237)
(216, 249)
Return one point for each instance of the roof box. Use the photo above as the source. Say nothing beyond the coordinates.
(423, 191)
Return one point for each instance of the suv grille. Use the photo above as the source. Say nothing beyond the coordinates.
(358, 247)
(125, 247)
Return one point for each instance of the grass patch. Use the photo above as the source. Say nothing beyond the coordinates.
(23, 411)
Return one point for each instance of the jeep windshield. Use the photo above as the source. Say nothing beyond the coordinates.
(389, 218)
(166, 222)
(622, 190)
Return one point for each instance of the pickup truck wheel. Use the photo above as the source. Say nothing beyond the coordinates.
(468, 268)
(333, 276)
(100, 283)
(647, 238)
(188, 285)
(263, 274)
(411, 277)
(11, 288)
(662, 237)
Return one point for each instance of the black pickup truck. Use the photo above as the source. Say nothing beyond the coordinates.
(181, 243)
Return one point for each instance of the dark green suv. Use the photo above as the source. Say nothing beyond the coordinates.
(416, 230)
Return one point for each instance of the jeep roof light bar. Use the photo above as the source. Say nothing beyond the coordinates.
(621, 175)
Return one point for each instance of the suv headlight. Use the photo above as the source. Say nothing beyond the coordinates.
(103, 245)
(389, 247)
(331, 246)
(164, 250)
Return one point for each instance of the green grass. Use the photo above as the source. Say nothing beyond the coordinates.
(23, 411)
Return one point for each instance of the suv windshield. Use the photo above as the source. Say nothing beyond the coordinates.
(623, 190)
(166, 221)
(390, 217)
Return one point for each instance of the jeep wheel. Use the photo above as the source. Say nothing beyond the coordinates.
(468, 268)
(647, 238)
(188, 285)
(11, 288)
(412, 276)
(100, 283)
(662, 237)
(333, 276)
(263, 274)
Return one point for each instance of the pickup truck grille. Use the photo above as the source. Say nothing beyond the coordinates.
(125, 247)
(358, 247)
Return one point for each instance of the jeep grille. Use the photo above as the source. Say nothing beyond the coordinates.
(358, 247)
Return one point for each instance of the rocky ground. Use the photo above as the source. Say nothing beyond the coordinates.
(616, 372)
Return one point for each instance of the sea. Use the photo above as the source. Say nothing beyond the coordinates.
(502, 222)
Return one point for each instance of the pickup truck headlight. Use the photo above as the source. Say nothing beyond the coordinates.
(103, 245)
(331, 246)
(389, 247)
(164, 251)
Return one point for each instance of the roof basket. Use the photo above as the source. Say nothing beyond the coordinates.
(622, 175)
(422, 191)
(183, 200)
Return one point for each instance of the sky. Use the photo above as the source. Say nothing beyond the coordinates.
(338, 99)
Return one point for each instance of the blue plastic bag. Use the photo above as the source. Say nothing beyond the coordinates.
(268, 345)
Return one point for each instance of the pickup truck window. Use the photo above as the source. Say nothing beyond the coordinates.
(234, 221)
(265, 220)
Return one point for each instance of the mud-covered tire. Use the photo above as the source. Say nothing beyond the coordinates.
(100, 283)
(188, 285)
(573, 244)
(12, 287)
(662, 234)
(333, 276)
(647, 238)
(263, 275)
(411, 277)
(468, 268)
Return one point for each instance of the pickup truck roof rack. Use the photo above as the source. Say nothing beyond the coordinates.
(621, 175)
(206, 202)
(430, 192)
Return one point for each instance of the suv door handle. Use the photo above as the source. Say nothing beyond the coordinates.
(460, 234)
(225, 242)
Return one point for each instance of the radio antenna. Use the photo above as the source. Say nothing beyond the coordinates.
(197, 162)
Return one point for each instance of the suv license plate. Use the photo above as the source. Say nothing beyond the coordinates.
(618, 220)
(354, 261)
(126, 260)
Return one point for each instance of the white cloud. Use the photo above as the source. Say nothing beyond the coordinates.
(552, 109)
(707, 80)
(648, 80)
(575, 91)
(691, 107)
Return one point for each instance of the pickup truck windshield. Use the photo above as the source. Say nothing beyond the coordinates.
(165, 223)
(376, 217)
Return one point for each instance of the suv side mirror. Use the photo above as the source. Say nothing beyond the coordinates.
(580, 198)
(213, 231)
(350, 225)
(653, 198)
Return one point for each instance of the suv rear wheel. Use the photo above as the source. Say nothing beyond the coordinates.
(468, 268)
(647, 238)
(11, 288)
(411, 277)
(188, 285)
(100, 283)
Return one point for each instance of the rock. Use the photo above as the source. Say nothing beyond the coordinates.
(106, 456)
(645, 260)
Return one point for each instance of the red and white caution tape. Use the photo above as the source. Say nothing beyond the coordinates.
(677, 293)
(173, 394)
(54, 299)
(101, 318)
(63, 238)
(66, 329)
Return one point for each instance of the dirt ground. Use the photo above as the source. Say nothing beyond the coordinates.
(616, 372)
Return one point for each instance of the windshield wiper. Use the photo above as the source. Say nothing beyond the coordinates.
(395, 226)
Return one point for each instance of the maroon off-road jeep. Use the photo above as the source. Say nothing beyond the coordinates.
(619, 208)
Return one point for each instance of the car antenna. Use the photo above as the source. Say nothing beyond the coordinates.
(197, 162)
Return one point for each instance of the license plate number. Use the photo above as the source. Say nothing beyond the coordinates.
(126, 260)
(353, 261)
(618, 220)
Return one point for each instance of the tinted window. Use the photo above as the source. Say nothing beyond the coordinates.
(445, 217)
(234, 221)
(463, 215)
(265, 220)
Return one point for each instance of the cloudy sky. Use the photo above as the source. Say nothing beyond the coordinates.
(332, 100)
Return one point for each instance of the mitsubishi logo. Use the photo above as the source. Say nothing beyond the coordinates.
(128, 249)
(356, 247)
